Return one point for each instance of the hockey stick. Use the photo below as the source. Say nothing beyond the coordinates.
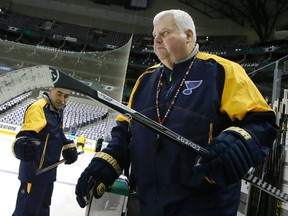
(52, 166)
(46, 76)
(278, 152)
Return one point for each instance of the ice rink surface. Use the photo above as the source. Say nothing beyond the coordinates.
(63, 199)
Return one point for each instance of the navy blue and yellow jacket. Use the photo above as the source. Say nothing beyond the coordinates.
(43, 122)
(216, 94)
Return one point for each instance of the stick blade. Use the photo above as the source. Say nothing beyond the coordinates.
(15, 83)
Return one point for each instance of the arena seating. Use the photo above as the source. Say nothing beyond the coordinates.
(13, 102)
(89, 119)
(15, 22)
(16, 116)
(74, 31)
(101, 130)
(80, 114)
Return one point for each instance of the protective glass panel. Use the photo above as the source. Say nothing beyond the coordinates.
(103, 70)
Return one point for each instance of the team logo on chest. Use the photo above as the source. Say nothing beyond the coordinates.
(190, 85)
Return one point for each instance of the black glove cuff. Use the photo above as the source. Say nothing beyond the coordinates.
(248, 141)
(110, 160)
(24, 148)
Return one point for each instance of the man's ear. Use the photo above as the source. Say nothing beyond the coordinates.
(189, 34)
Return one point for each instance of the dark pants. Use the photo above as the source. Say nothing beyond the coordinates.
(36, 202)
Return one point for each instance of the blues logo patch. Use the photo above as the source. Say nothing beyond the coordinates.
(190, 85)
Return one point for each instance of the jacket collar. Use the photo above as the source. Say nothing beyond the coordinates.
(49, 102)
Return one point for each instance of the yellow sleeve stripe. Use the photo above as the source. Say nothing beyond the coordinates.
(71, 145)
(13, 144)
(110, 160)
(240, 131)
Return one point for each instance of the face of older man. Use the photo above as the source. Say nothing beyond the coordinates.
(59, 97)
(170, 45)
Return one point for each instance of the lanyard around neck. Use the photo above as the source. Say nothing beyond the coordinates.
(161, 121)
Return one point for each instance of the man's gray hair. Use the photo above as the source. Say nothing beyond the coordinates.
(183, 20)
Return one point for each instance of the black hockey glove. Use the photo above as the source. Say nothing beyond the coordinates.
(24, 148)
(100, 174)
(69, 153)
(230, 156)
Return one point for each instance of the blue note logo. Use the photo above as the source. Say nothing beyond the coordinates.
(190, 85)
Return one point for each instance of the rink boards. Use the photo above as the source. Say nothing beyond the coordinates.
(113, 202)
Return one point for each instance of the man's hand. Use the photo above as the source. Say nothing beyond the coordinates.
(230, 156)
(86, 186)
(69, 153)
(99, 175)
(24, 148)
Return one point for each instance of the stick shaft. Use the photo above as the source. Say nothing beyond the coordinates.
(40, 171)
(41, 76)
(66, 81)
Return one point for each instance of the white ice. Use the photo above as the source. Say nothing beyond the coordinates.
(63, 199)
